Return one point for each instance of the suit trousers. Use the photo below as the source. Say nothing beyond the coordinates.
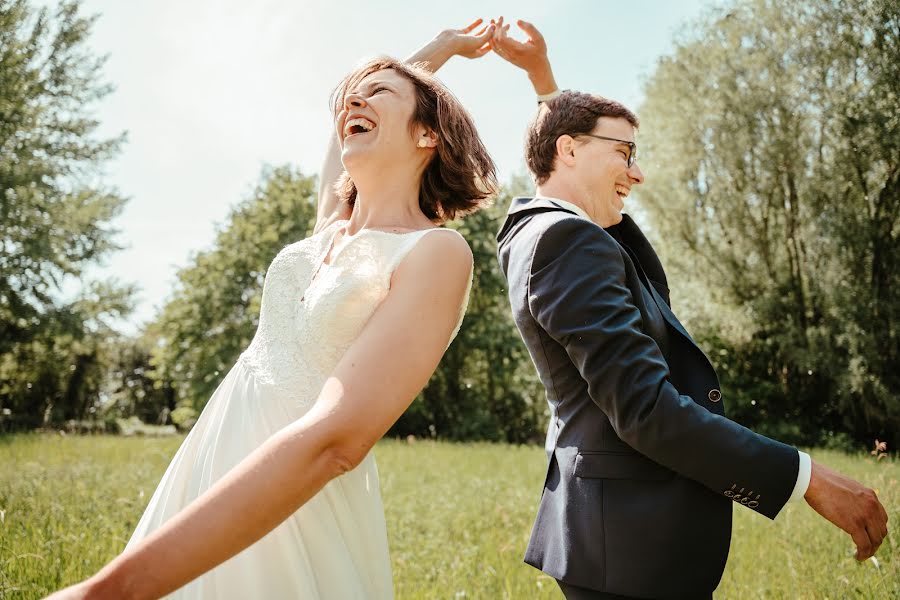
(572, 592)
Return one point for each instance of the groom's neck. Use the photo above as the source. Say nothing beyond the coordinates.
(556, 189)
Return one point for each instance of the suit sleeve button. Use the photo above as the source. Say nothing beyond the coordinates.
(714, 395)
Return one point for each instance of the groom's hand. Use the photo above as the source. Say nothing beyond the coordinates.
(849, 505)
(531, 55)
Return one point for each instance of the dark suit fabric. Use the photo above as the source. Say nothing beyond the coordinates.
(642, 461)
(572, 592)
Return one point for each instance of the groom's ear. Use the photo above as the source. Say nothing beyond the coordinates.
(565, 149)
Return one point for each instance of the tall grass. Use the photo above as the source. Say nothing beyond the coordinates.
(459, 517)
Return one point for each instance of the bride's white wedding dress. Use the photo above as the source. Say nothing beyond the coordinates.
(335, 546)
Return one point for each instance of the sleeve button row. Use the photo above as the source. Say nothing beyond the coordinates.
(742, 498)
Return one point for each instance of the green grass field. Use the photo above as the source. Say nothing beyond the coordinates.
(458, 515)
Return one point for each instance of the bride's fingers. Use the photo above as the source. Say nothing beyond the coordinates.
(483, 50)
(484, 35)
(471, 26)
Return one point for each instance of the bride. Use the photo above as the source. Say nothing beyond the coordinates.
(274, 493)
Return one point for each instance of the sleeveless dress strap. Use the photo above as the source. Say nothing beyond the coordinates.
(407, 246)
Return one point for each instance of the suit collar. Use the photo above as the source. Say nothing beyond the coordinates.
(524, 204)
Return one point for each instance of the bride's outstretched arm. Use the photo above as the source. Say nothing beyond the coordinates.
(361, 399)
(466, 42)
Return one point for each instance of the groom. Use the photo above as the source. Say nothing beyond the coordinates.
(643, 465)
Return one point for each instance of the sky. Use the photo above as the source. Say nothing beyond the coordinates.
(209, 92)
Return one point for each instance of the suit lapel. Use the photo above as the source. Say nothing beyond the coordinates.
(664, 308)
(669, 315)
(636, 244)
(641, 247)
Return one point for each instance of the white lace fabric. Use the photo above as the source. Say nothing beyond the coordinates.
(312, 311)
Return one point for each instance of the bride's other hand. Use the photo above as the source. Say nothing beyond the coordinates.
(530, 55)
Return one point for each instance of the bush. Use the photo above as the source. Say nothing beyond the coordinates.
(184, 417)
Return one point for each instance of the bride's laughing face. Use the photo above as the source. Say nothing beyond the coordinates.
(374, 124)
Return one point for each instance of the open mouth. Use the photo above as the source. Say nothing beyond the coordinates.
(357, 126)
(622, 191)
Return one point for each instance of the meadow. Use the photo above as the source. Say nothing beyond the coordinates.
(458, 517)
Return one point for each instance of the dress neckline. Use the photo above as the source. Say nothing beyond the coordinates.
(333, 249)
(351, 236)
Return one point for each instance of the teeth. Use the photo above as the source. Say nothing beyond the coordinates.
(359, 121)
(622, 191)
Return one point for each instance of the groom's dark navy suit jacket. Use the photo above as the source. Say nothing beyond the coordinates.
(643, 466)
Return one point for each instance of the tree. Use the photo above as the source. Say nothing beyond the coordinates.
(54, 216)
(772, 142)
(131, 389)
(214, 309)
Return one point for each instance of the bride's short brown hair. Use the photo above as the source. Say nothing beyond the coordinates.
(461, 175)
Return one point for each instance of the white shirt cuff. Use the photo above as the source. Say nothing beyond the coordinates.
(804, 472)
(547, 97)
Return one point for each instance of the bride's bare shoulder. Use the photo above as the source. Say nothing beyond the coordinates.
(440, 257)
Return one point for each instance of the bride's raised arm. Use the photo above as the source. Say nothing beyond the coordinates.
(431, 56)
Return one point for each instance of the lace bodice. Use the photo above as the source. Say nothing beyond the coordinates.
(311, 311)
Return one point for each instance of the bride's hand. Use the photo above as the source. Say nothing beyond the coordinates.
(455, 42)
(463, 42)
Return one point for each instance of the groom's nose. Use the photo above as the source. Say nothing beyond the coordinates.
(635, 174)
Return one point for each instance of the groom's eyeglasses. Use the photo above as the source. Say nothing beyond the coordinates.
(632, 147)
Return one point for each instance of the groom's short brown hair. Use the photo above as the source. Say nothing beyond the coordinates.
(570, 113)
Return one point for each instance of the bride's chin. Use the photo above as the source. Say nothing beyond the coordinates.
(362, 171)
(353, 158)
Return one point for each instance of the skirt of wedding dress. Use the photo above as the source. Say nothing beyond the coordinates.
(333, 547)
